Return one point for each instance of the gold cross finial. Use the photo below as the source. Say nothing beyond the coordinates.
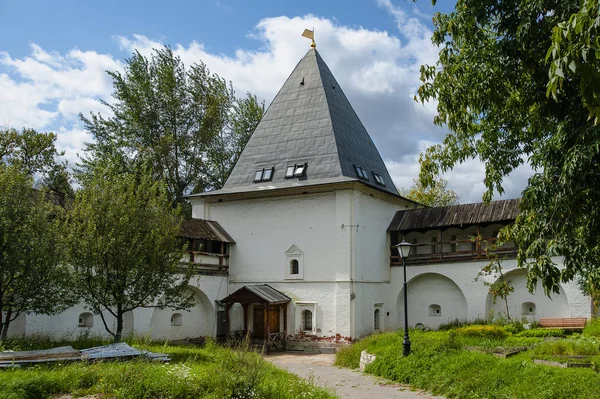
(311, 35)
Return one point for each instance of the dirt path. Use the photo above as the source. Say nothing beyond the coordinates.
(347, 384)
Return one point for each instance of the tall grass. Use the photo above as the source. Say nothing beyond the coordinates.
(592, 328)
(211, 372)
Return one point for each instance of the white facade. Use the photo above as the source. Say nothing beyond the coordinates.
(337, 235)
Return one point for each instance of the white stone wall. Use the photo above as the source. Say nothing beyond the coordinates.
(445, 284)
(341, 241)
(153, 323)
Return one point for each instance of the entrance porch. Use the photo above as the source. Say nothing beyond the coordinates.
(267, 309)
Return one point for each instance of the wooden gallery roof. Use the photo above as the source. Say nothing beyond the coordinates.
(502, 211)
(205, 229)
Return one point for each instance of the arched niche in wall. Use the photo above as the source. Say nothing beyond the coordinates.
(528, 309)
(176, 320)
(429, 289)
(86, 319)
(435, 310)
(555, 306)
(198, 321)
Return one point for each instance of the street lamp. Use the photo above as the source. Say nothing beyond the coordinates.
(404, 250)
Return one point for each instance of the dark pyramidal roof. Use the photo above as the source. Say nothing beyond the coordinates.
(311, 122)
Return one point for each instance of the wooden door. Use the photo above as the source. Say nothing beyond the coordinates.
(274, 320)
(258, 322)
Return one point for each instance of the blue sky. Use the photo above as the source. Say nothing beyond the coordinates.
(54, 54)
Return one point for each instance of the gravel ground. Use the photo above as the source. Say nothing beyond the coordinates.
(347, 384)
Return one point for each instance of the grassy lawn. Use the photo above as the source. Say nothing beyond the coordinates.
(209, 372)
(460, 363)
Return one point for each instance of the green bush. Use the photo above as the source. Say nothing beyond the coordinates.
(542, 333)
(490, 331)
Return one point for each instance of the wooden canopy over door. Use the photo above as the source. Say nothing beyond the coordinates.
(268, 304)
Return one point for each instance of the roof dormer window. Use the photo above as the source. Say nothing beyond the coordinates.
(379, 179)
(265, 174)
(297, 170)
(361, 172)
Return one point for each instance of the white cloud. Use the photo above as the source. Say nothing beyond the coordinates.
(378, 71)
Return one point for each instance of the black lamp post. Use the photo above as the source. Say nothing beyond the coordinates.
(404, 251)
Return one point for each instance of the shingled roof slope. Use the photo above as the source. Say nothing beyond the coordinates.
(205, 229)
(310, 120)
(455, 215)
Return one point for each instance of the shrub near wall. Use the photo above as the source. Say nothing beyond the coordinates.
(440, 365)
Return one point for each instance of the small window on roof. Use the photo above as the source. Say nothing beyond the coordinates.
(297, 170)
(290, 171)
(361, 172)
(379, 179)
(268, 174)
(265, 174)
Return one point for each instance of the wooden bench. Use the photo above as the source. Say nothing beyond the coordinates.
(565, 323)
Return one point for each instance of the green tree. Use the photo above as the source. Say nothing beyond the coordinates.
(504, 92)
(33, 277)
(122, 235)
(500, 288)
(186, 122)
(436, 194)
(34, 152)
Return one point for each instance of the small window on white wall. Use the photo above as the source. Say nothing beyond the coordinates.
(528, 309)
(294, 269)
(307, 320)
(294, 266)
(176, 319)
(86, 319)
(306, 317)
(435, 310)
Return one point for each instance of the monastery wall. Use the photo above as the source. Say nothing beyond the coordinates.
(438, 293)
(154, 323)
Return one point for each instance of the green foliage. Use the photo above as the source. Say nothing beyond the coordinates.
(542, 333)
(490, 84)
(186, 123)
(444, 369)
(33, 277)
(436, 194)
(31, 151)
(575, 54)
(211, 373)
(487, 331)
(122, 243)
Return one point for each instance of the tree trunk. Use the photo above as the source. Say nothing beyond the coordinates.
(5, 325)
(119, 331)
